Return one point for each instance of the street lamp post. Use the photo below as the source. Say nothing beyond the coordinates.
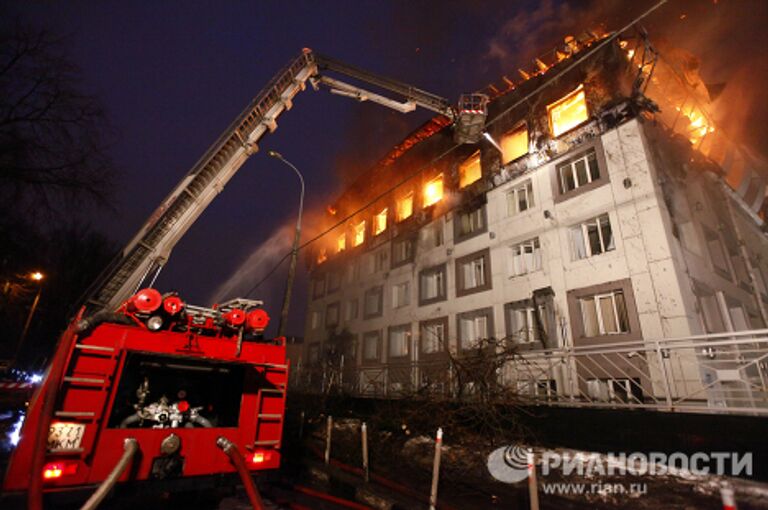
(36, 277)
(294, 250)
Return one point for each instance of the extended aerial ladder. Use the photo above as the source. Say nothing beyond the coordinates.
(146, 254)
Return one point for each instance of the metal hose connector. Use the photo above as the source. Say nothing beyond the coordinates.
(237, 460)
(130, 446)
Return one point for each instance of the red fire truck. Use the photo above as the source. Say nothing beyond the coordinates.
(145, 387)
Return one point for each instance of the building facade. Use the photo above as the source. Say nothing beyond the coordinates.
(596, 227)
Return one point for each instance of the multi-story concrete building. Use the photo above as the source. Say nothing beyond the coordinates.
(600, 227)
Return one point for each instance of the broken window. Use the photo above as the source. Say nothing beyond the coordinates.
(524, 325)
(568, 112)
(332, 315)
(474, 326)
(371, 342)
(520, 198)
(399, 341)
(359, 234)
(470, 170)
(373, 302)
(401, 294)
(405, 207)
(433, 191)
(525, 257)
(716, 252)
(432, 285)
(380, 221)
(433, 336)
(578, 171)
(604, 314)
(592, 237)
(514, 144)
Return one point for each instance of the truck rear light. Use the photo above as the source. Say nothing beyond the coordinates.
(54, 470)
(146, 301)
(260, 457)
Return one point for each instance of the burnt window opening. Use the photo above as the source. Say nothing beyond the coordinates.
(212, 390)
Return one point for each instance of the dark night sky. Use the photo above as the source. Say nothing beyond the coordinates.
(172, 76)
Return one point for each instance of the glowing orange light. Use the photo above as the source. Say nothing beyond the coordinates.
(54, 470)
(433, 191)
(258, 457)
(322, 256)
(405, 207)
(341, 243)
(331, 210)
(470, 170)
(380, 221)
(37, 276)
(358, 237)
(514, 144)
(568, 112)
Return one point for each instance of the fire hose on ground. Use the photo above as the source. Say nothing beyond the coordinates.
(130, 446)
(237, 460)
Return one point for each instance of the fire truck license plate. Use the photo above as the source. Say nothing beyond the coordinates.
(65, 436)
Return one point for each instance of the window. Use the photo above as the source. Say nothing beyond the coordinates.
(433, 191)
(402, 251)
(716, 252)
(526, 323)
(474, 326)
(341, 243)
(401, 295)
(592, 237)
(578, 171)
(469, 223)
(473, 273)
(318, 287)
(322, 255)
(432, 235)
(525, 257)
(520, 198)
(470, 170)
(314, 320)
(380, 221)
(358, 234)
(350, 312)
(332, 315)
(432, 285)
(405, 207)
(433, 336)
(352, 271)
(371, 349)
(379, 261)
(313, 356)
(604, 314)
(514, 144)
(334, 281)
(568, 112)
(399, 341)
(373, 302)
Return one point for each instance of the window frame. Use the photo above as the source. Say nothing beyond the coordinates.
(583, 228)
(366, 336)
(408, 329)
(379, 290)
(337, 306)
(482, 212)
(527, 186)
(536, 252)
(474, 159)
(407, 294)
(472, 315)
(574, 309)
(409, 239)
(461, 289)
(442, 350)
(522, 127)
(442, 294)
(553, 105)
(558, 194)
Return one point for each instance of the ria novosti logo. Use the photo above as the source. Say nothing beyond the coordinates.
(511, 464)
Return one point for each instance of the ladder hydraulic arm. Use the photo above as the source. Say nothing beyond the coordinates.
(149, 250)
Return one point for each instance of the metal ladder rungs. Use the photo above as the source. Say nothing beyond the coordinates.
(266, 442)
(75, 414)
(94, 348)
(87, 380)
(266, 416)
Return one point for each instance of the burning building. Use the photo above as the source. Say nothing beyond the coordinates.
(604, 232)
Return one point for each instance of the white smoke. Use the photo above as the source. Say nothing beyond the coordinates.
(261, 260)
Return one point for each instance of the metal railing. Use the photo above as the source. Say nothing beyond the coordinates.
(715, 373)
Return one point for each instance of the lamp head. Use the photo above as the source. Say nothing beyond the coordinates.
(275, 154)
